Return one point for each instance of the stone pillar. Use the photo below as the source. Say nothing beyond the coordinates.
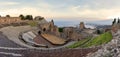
(82, 26)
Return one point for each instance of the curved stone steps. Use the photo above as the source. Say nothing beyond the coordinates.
(10, 54)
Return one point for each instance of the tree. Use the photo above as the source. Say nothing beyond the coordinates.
(118, 20)
(22, 17)
(38, 18)
(29, 17)
(114, 21)
(61, 29)
(7, 15)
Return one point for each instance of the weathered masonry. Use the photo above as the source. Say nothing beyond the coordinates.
(9, 20)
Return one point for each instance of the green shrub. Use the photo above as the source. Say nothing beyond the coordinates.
(60, 29)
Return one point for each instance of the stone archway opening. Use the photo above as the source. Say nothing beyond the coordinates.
(44, 29)
(39, 32)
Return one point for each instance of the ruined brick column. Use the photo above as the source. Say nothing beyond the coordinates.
(82, 26)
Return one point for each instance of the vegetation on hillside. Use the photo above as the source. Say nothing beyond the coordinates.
(79, 43)
(102, 39)
(27, 17)
(60, 29)
(7, 15)
(32, 23)
(115, 21)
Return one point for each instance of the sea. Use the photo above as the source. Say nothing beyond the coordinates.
(88, 24)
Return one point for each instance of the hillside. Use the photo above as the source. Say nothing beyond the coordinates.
(89, 42)
(111, 49)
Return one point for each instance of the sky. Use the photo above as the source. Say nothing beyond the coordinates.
(62, 9)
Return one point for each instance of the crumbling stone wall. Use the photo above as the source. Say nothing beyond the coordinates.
(72, 34)
(49, 27)
(9, 20)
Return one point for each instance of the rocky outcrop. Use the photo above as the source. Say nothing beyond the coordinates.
(112, 49)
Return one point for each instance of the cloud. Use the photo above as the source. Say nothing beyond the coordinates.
(8, 3)
(29, 10)
(98, 4)
(97, 9)
(17, 11)
(102, 13)
(70, 12)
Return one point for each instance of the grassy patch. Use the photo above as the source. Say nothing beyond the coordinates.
(79, 43)
(102, 39)
(32, 23)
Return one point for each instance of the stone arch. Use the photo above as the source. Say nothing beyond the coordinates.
(44, 29)
(39, 32)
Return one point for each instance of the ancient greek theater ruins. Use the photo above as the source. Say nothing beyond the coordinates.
(41, 38)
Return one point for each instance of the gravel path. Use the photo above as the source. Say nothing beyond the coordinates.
(5, 42)
(12, 33)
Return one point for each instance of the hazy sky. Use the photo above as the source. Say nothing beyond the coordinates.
(89, 9)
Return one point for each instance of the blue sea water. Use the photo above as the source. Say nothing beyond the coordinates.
(66, 23)
(76, 22)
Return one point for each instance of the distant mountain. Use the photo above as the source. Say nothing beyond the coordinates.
(102, 22)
